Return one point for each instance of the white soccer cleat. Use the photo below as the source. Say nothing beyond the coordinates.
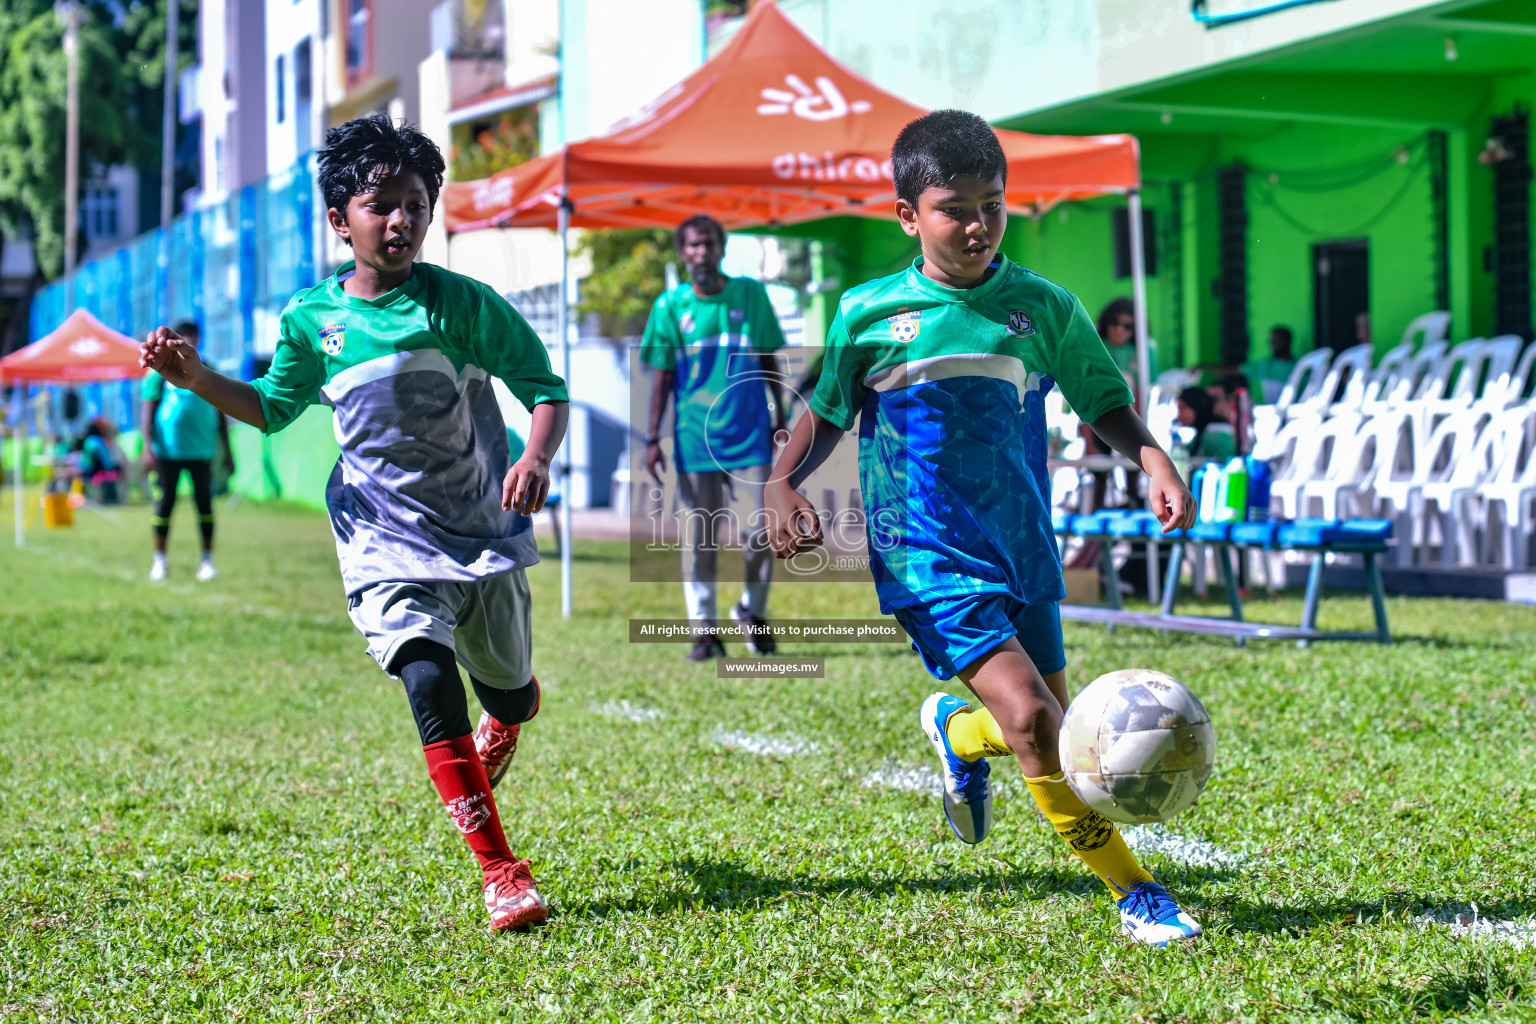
(1149, 915)
(967, 796)
(157, 570)
(206, 571)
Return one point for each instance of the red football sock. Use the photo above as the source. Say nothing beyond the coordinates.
(460, 780)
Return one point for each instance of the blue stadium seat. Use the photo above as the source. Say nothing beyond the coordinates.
(1256, 534)
(1211, 533)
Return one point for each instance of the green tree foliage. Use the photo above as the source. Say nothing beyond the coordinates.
(628, 272)
(513, 140)
(121, 83)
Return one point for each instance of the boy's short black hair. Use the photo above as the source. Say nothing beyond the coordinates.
(934, 150)
(699, 222)
(365, 150)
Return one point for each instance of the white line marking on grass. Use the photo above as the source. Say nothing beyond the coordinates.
(1466, 921)
(627, 711)
(766, 744)
(894, 775)
(1184, 849)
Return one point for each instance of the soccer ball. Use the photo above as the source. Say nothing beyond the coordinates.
(1137, 746)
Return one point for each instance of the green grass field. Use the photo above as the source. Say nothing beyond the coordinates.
(213, 808)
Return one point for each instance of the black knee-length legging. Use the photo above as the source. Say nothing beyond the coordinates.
(168, 476)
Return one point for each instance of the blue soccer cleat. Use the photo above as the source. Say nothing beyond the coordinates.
(1148, 914)
(967, 797)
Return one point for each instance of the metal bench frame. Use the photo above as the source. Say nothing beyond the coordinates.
(1115, 614)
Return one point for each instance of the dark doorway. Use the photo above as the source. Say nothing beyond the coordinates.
(1341, 293)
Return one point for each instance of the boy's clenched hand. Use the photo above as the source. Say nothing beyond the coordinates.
(526, 486)
(171, 356)
(793, 525)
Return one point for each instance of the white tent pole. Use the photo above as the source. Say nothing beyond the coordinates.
(1143, 363)
(565, 446)
(1139, 300)
(20, 437)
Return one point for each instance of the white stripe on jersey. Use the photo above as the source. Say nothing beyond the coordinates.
(936, 368)
(413, 361)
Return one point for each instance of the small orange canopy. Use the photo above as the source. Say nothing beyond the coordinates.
(772, 130)
(82, 349)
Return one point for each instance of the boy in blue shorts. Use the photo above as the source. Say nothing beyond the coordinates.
(949, 362)
(430, 513)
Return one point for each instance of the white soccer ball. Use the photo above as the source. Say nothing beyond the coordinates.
(1137, 746)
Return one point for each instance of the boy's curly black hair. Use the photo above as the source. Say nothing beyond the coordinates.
(365, 150)
(934, 150)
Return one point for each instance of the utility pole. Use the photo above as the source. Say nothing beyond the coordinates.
(68, 12)
(168, 121)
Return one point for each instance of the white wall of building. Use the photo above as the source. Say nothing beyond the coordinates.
(618, 56)
(296, 125)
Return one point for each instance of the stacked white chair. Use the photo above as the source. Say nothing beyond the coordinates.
(1510, 490)
(1461, 455)
(1505, 373)
(1303, 385)
(1390, 495)
(1343, 387)
(1356, 460)
(1316, 445)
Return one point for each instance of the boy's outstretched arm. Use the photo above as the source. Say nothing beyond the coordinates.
(168, 354)
(527, 483)
(793, 525)
(1170, 499)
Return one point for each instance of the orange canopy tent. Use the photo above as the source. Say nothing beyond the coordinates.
(769, 131)
(772, 130)
(81, 349)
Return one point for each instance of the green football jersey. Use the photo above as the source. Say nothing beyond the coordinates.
(186, 427)
(713, 345)
(949, 387)
(416, 493)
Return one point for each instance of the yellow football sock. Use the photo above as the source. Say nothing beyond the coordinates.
(1091, 836)
(974, 734)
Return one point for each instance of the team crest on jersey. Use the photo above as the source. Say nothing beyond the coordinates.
(332, 337)
(906, 326)
(685, 322)
(1019, 324)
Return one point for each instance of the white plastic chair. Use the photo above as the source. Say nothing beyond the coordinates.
(1346, 378)
(1397, 475)
(1510, 489)
(1163, 403)
(1316, 445)
(1400, 390)
(1445, 389)
(1280, 450)
(1353, 463)
(1503, 382)
(1470, 447)
(1428, 328)
(1378, 381)
(1305, 381)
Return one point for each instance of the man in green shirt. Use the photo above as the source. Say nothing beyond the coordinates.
(1267, 376)
(182, 433)
(711, 341)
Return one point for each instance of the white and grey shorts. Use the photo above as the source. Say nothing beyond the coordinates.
(484, 622)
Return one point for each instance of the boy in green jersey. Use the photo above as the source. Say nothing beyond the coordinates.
(946, 365)
(430, 514)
